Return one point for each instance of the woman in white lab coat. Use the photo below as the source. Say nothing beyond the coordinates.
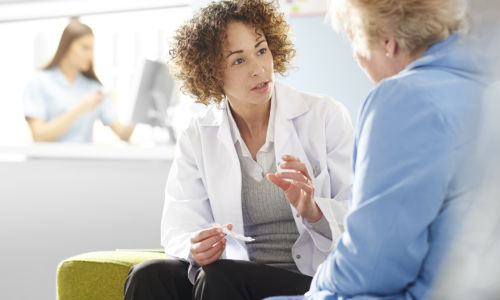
(226, 57)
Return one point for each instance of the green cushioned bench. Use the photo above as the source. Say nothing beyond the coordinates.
(98, 275)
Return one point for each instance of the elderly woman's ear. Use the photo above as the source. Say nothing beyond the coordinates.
(390, 46)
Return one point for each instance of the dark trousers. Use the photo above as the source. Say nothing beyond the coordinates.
(223, 279)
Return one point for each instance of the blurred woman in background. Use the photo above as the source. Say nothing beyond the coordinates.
(63, 100)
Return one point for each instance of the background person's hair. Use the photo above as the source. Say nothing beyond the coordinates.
(197, 47)
(416, 24)
(73, 31)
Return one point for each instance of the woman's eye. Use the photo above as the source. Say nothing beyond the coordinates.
(238, 61)
(262, 51)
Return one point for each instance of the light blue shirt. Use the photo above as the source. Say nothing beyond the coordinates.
(50, 94)
(412, 141)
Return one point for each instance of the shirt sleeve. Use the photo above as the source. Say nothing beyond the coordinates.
(321, 226)
(106, 112)
(397, 193)
(186, 207)
(34, 102)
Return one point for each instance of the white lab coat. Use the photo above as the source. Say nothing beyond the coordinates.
(204, 184)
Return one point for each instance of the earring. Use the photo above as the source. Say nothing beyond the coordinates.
(387, 54)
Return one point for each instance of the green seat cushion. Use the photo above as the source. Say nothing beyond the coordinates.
(98, 275)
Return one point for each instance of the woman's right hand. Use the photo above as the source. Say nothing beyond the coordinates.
(90, 102)
(208, 245)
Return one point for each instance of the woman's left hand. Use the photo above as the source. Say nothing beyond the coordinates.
(298, 187)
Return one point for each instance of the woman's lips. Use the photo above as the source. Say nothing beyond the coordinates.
(261, 87)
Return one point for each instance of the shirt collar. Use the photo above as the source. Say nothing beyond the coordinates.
(60, 76)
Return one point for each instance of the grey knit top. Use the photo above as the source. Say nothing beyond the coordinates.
(267, 218)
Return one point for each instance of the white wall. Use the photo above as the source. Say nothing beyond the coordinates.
(325, 64)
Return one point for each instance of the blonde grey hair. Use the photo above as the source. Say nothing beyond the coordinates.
(416, 24)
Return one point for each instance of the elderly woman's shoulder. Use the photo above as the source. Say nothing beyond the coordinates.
(412, 93)
(402, 87)
(422, 86)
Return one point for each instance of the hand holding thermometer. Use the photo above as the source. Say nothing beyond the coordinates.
(234, 234)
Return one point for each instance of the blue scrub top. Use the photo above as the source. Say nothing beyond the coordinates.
(49, 94)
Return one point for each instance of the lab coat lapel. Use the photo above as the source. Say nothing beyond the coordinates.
(229, 189)
(290, 105)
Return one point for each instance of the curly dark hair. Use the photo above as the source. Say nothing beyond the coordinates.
(196, 49)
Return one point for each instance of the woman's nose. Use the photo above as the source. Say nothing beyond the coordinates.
(257, 69)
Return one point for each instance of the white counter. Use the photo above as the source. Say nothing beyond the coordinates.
(86, 151)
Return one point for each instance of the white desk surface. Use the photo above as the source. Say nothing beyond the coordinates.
(86, 151)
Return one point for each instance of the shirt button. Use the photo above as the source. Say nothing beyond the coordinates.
(298, 256)
(297, 215)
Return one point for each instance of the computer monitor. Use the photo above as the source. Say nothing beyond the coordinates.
(156, 92)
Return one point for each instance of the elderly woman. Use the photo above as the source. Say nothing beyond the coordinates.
(412, 141)
(226, 58)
